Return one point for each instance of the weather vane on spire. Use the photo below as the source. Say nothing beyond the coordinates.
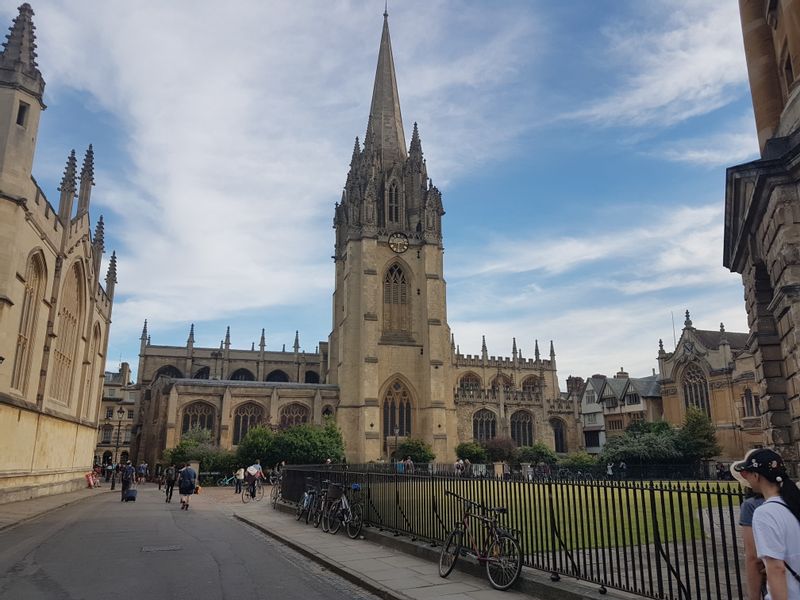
(386, 9)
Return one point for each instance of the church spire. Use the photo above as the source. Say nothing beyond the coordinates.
(263, 342)
(296, 342)
(67, 189)
(18, 68)
(385, 134)
(87, 181)
(111, 276)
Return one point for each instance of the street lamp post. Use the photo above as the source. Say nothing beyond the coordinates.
(120, 415)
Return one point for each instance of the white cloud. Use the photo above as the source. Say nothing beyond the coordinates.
(688, 65)
(239, 125)
(736, 145)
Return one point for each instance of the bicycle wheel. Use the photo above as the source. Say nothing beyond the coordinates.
(318, 512)
(450, 552)
(276, 491)
(356, 521)
(273, 478)
(298, 513)
(325, 517)
(246, 497)
(312, 501)
(503, 562)
(334, 517)
(259, 492)
(222, 482)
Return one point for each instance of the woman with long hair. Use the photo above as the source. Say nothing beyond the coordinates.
(776, 523)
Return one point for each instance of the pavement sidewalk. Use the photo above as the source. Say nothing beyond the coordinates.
(397, 568)
(14, 513)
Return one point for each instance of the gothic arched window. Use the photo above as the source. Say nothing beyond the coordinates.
(70, 318)
(35, 280)
(242, 375)
(168, 371)
(393, 204)
(484, 425)
(470, 382)
(559, 435)
(203, 373)
(277, 376)
(293, 414)
(502, 381)
(91, 375)
(522, 428)
(396, 301)
(695, 389)
(311, 377)
(532, 385)
(397, 410)
(198, 415)
(245, 417)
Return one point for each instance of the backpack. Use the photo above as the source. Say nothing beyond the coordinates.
(170, 474)
(186, 475)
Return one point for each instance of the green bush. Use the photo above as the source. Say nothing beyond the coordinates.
(538, 453)
(302, 444)
(257, 444)
(418, 450)
(500, 449)
(471, 451)
(697, 439)
(578, 460)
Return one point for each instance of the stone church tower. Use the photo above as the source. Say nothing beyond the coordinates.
(390, 351)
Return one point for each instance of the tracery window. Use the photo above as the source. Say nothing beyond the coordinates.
(203, 373)
(396, 302)
(311, 377)
(484, 425)
(502, 381)
(277, 376)
(168, 371)
(70, 315)
(752, 408)
(198, 415)
(245, 417)
(695, 389)
(32, 297)
(559, 435)
(293, 414)
(397, 410)
(89, 392)
(470, 383)
(522, 428)
(242, 375)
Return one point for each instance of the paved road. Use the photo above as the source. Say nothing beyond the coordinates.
(102, 548)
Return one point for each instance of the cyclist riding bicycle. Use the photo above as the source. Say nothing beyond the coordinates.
(253, 473)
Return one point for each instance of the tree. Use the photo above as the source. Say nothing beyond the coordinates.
(417, 449)
(474, 453)
(257, 444)
(538, 453)
(500, 449)
(309, 444)
(697, 439)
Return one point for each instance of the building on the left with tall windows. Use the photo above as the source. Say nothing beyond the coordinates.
(55, 307)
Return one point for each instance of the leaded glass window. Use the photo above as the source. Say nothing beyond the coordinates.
(695, 389)
(397, 410)
(484, 425)
(245, 417)
(522, 428)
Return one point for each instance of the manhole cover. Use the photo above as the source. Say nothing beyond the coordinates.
(161, 548)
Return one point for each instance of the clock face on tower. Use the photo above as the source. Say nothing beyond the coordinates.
(398, 242)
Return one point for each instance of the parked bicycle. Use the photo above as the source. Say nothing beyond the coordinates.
(343, 512)
(492, 545)
(223, 481)
(253, 491)
(321, 506)
(307, 500)
(275, 495)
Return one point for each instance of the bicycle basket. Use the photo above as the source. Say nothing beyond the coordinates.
(335, 491)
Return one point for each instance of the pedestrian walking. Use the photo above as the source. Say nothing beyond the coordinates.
(239, 475)
(128, 478)
(753, 567)
(610, 470)
(187, 483)
(170, 475)
(776, 523)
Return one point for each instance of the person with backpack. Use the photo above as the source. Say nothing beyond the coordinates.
(128, 477)
(776, 523)
(170, 474)
(187, 483)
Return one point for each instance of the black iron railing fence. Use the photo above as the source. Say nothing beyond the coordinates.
(666, 539)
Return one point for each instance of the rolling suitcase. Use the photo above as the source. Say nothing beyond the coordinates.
(130, 495)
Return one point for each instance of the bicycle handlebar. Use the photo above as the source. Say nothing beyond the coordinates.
(500, 510)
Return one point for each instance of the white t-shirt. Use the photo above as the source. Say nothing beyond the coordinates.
(777, 534)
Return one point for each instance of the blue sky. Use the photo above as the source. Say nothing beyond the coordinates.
(580, 147)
